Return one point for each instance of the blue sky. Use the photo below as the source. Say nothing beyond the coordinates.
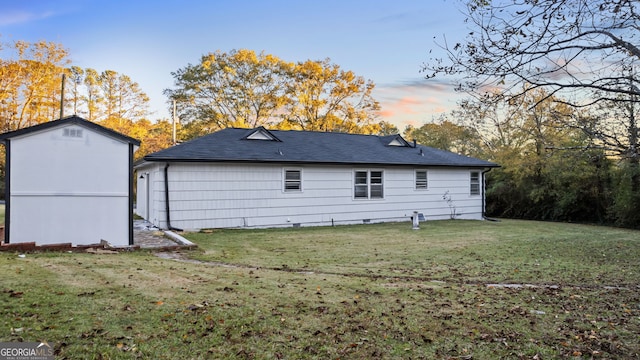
(382, 40)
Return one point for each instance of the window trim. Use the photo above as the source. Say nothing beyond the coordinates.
(474, 183)
(369, 185)
(285, 181)
(426, 180)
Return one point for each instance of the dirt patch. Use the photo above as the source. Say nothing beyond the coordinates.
(407, 282)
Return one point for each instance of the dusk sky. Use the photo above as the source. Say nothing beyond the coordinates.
(381, 40)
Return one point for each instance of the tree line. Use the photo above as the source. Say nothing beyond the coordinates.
(553, 91)
(549, 171)
(236, 89)
(33, 77)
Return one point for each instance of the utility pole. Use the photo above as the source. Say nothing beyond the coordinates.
(62, 95)
(175, 116)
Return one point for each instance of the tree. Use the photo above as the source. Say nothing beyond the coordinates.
(581, 52)
(158, 137)
(387, 128)
(548, 170)
(567, 47)
(445, 135)
(245, 89)
(325, 98)
(93, 97)
(75, 78)
(122, 97)
(30, 83)
(239, 89)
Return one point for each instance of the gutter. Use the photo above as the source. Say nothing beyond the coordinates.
(166, 198)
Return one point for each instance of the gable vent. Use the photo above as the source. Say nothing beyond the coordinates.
(261, 134)
(71, 132)
(396, 140)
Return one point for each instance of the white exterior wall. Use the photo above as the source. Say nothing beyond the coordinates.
(150, 194)
(248, 195)
(68, 189)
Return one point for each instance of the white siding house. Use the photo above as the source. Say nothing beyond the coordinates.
(69, 181)
(259, 178)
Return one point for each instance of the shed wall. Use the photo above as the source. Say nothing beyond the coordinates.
(69, 189)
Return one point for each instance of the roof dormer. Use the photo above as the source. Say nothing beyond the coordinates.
(261, 133)
(396, 140)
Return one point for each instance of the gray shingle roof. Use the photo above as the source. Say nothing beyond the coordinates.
(298, 147)
(71, 120)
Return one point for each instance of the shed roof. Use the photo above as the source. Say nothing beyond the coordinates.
(307, 147)
(70, 120)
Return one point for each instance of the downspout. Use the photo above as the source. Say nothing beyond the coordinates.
(166, 198)
(131, 174)
(7, 190)
(484, 195)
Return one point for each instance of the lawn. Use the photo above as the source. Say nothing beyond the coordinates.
(350, 292)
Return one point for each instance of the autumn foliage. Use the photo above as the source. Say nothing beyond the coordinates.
(245, 89)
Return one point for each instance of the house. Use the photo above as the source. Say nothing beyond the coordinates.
(69, 181)
(237, 178)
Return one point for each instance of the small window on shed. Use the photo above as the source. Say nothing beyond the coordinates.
(421, 180)
(292, 180)
(71, 132)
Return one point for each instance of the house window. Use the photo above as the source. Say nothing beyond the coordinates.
(421, 180)
(474, 183)
(292, 180)
(368, 184)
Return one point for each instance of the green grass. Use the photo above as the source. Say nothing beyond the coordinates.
(349, 292)
(459, 251)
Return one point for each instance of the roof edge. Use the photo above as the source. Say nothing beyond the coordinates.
(281, 161)
(73, 119)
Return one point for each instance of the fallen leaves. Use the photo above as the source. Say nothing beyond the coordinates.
(12, 293)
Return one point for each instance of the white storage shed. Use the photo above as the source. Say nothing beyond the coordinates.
(69, 181)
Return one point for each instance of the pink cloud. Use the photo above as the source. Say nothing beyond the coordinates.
(414, 103)
(410, 105)
(386, 113)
